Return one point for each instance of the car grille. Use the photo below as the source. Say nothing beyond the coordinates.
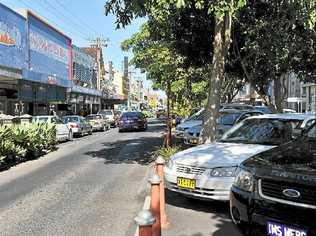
(190, 169)
(194, 134)
(274, 189)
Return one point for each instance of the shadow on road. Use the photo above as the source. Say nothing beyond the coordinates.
(131, 150)
(218, 214)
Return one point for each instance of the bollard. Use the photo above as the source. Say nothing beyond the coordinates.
(155, 180)
(144, 220)
(160, 162)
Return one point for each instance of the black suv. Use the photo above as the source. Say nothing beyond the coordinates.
(274, 192)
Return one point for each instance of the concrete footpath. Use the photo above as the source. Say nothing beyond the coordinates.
(190, 217)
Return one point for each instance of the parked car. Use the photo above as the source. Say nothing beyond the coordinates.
(132, 120)
(109, 115)
(78, 124)
(194, 120)
(227, 118)
(275, 191)
(290, 111)
(63, 132)
(207, 171)
(263, 109)
(98, 122)
(237, 106)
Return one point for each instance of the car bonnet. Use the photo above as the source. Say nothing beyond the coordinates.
(218, 154)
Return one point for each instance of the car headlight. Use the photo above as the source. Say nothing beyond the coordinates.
(223, 172)
(170, 164)
(244, 180)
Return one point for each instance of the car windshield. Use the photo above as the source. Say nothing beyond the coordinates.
(71, 119)
(311, 134)
(227, 118)
(261, 131)
(130, 114)
(94, 117)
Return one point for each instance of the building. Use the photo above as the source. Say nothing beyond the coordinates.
(35, 64)
(13, 59)
(49, 73)
(309, 93)
(83, 96)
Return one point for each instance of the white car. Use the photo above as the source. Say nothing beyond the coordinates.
(63, 132)
(109, 115)
(207, 171)
(195, 120)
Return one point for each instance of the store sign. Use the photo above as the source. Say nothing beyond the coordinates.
(48, 48)
(10, 35)
(10, 74)
(52, 80)
(13, 45)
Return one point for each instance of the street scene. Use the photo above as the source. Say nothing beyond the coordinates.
(158, 118)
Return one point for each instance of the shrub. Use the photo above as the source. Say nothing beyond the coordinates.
(166, 153)
(22, 142)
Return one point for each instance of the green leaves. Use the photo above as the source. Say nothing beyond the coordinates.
(23, 141)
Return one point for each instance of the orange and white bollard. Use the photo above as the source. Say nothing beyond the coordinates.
(160, 162)
(145, 220)
(155, 181)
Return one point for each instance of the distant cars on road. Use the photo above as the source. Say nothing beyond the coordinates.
(109, 115)
(98, 122)
(275, 191)
(132, 121)
(207, 171)
(63, 132)
(78, 125)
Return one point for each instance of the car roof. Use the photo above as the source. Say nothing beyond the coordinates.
(285, 116)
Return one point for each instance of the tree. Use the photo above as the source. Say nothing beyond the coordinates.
(220, 11)
(273, 38)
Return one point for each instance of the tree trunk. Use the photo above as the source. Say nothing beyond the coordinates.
(222, 41)
(278, 95)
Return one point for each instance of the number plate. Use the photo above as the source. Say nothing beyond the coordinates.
(186, 183)
(275, 229)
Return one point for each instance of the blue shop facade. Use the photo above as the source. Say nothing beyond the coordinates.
(35, 64)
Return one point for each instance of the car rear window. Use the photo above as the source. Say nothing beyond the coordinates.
(107, 113)
(71, 119)
(41, 119)
(131, 114)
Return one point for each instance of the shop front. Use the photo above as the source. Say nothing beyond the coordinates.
(44, 85)
(13, 58)
(84, 101)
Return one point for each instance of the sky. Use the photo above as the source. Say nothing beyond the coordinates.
(83, 20)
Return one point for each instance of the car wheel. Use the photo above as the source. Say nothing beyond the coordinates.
(243, 227)
(70, 135)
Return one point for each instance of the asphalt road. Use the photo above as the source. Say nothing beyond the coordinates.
(92, 186)
(191, 217)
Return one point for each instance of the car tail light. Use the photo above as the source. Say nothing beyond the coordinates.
(74, 126)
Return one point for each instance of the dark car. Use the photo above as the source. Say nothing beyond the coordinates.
(274, 192)
(132, 121)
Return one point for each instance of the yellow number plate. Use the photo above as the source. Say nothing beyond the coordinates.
(186, 183)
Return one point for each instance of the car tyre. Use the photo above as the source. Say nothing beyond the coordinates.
(243, 227)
